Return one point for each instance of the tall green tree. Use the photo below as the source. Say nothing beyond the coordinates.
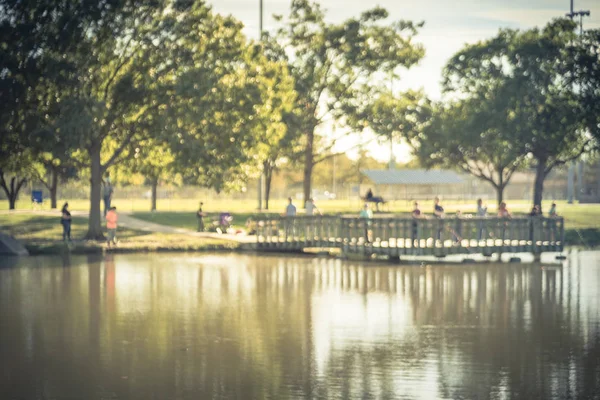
(398, 116)
(584, 62)
(227, 126)
(529, 71)
(29, 33)
(472, 136)
(335, 66)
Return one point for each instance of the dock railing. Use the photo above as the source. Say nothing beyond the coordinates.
(397, 236)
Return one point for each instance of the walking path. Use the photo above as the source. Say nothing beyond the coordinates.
(126, 220)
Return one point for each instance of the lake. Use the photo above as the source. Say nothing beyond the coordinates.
(231, 326)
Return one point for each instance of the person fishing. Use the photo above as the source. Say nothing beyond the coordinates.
(65, 221)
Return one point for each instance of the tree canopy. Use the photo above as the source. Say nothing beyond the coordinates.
(536, 108)
(336, 67)
(124, 73)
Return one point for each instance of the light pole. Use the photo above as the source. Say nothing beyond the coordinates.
(580, 14)
(260, 19)
(571, 174)
(391, 163)
(262, 172)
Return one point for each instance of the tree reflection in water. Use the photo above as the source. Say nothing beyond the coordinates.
(220, 326)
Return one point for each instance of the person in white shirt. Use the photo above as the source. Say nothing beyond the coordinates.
(481, 213)
(311, 207)
(290, 214)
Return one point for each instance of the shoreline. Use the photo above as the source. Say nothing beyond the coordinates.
(575, 238)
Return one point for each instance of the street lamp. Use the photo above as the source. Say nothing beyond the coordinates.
(580, 14)
(571, 171)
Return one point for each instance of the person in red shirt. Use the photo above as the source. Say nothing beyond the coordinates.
(111, 225)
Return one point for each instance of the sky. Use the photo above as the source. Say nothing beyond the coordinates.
(449, 25)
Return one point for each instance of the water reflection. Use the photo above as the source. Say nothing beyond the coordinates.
(218, 326)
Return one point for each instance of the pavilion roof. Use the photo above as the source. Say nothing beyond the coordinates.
(413, 177)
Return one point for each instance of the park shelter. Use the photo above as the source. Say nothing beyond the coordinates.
(409, 184)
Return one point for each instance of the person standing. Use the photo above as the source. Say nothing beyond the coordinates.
(290, 210)
(504, 213)
(481, 209)
(200, 217)
(438, 212)
(290, 214)
(535, 212)
(366, 214)
(111, 226)
(311, 207)
(552, 213)
(107, 193)
(65, 220)
(457, 233)
(416, 215)
(481, 213)
(311, 225)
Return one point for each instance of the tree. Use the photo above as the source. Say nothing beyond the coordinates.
(15, 158)
(472, 136)
(287, 149)
(398, 117)
(152, 159)
(529, 72)
(16, 168)
(334, 67)
(583, 61)
(227, 127)
(34, 38)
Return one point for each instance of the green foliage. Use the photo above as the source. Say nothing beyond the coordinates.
(335, 67)
(129, 74)
(584, 61)
(523, 76)
(398, 117)
(471, 135)
(226, 129)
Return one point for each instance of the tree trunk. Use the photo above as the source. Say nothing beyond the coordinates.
(308, 165)
(499, 194)
(53, 188)
(153, 199)
(94, 222)
(540, 176)
(12, 192)
(500, 187)
(268, 171)
(12, 195)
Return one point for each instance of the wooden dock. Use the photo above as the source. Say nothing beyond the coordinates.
(401, 236)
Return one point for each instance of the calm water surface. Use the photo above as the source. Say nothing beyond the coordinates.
(251, 327)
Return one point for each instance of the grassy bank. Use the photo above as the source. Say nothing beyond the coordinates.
(43, 235)
(582, 228)
(585, 216)
(578, 216)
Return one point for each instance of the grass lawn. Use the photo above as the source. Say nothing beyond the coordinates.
(577, 216)
(43, 234)
(181, 212)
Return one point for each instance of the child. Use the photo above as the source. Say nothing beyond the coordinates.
(111, 225)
